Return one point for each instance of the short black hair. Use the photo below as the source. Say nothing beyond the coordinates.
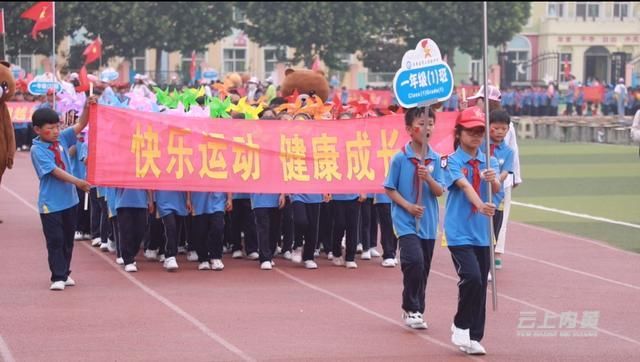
(44, 116)
(499, 116)
(412, 113)
(277, 101)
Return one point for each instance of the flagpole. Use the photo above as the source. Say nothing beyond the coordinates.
(100, 52)
(485, 60)
(53, 36)
(4, 38)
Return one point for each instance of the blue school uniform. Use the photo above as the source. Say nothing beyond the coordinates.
(207, 202)
(462, 226)
(78, 168)
(110, 196)
(381, 199)
(401, 177)
(169, 202)
(344, 197)
(241, 196)
(264, 200)
(307, 198)
(131, 198)
(55, 195)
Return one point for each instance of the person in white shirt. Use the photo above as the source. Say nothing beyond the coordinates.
(621, 96)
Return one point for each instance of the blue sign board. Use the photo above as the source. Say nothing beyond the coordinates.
(42, 87)
(422, 86)
(210, 74)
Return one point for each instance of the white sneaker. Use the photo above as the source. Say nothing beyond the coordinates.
(330, 255)
(216, 264)
(78, 236)
(389, 263)
(59, 285)
(374, 253)
(111, 246)
(278, 250)
(182, 250)
(310, 264)
(192, 256)
(316, 253)
(253, 256)
(237, 254)
(225, 249)
(86, 236)
(351, 265)
(489, 277)
(287, 255)
(151, 254)
(359, 248)
(474, 349)
(161, 258)
(338, 261)
(414, 320)
(266, 265)
(96, 241)
(119, 261)
(130, 268)
(296, 256)
(366, 255)
(460, 337)
(171, 264)
(69, 282)
(204, 266)
(104, 247)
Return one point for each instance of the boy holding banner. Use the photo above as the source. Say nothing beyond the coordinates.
(409, 170)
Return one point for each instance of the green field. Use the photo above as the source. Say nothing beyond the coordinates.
(595, 179)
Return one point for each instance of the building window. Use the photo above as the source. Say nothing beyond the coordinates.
(234, 60)
(475, 70)
(586, 10)
(620, 10)
(555, 10)
(271, 58)
(186, 64)
(238, 16)
(565, 67)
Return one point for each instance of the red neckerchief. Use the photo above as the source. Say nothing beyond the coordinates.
(56, 153)
(416, 179)
(492, 149)
(476, 178)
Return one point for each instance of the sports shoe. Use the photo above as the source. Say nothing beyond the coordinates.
(338, 261)
(182, 250)
(414, 320)
(330, 255)
(161, 258)
(374, 253)
(225, 249)
(78, 236)
(192, 256)
(366, 255)
(59, 285)
(389, 263)
(316, 253)
(171, 264)
(460, 337)
(111, 246)
(130, 268)
(489, 277)
(86, 236)
(204, 266)
(104, 247)
(96, 241)
(69, 282)
(296, 256)
(216, 264)
(498, 264)
(237, 254)
(119, 261)
(278, 250)
(474, 349)
(151, 254)
(266, 265)
(351, 265)
(359, 248)
(287, 255)
(310, 264)
(253, 256)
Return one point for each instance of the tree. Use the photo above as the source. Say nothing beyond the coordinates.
(323, 29)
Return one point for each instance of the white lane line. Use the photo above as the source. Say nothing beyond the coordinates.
(5, 352)
(575, 237)
(574, 270)
(191, 319)
(534, 306)
(367, 310)
(575, 214)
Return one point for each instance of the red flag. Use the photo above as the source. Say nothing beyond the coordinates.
(94, 51)
(42, 14)
(84, 80)
(192, 70)
(1, 21)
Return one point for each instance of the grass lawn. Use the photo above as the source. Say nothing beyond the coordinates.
(594, 179)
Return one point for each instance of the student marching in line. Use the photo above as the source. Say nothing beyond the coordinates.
(406, 174)
(57, 196)
(172, 208)
(77, 156)
(345, 221)
(267, 209)
(132, 207)
(207, 229)
(306, 219)
(368, 229)
(389, 241)
(243, 222)
(114, 241)
(466, 227)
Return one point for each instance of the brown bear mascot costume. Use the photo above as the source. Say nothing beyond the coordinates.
(305, 82)
(7, 138)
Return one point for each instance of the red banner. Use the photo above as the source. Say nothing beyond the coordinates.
(156, 151)
(21, 111)
(594, 94)
(379, 98)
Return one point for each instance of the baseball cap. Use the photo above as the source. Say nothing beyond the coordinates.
(494, 93)
(471, 117)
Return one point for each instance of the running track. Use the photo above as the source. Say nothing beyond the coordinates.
(290, 313)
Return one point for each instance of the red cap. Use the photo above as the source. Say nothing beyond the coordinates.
(471, 117)
(50, 92)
